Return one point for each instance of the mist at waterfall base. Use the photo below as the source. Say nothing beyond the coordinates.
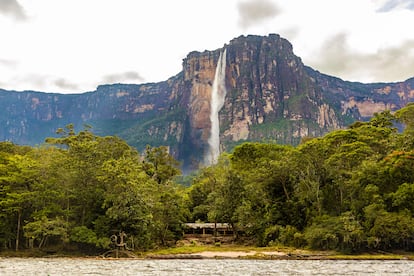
(218, 95)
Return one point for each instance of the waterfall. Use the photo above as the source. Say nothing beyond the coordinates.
(218, 95)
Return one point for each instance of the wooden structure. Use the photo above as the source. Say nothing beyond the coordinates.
(208, 229)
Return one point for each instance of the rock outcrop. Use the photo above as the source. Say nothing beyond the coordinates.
(271, 95)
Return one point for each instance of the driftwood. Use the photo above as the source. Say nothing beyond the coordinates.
(175, 256)
(121, 248)
(119, 253)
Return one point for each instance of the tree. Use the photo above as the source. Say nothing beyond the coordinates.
(43, 228)
(208, 180)
(341, 166)
(406, 116)
(225, 200)
(336, 232)
(322, 234)
(160, 165)
(403, 198)
(312, 175)
(85, 156)
(268, 173)
(129, 197)
(390, 230)
(17, 180)
(169, 213)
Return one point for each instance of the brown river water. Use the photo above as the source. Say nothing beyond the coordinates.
(70, 266)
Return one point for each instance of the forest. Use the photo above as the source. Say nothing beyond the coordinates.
(351, 190)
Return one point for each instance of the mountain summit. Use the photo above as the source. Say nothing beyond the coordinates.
(269, 95)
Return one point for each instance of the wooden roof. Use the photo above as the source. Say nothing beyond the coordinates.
(207, 225)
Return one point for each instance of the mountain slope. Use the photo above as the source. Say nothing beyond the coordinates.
(271, 95)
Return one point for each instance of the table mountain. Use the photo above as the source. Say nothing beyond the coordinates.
(270, 95)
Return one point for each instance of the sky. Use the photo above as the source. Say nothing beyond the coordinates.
(72, 46)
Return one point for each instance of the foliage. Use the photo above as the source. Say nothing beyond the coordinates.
(351, 190)
(80, 189)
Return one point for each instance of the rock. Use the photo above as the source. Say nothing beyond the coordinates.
(271, 95)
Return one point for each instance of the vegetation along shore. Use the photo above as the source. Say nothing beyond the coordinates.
(349, 194)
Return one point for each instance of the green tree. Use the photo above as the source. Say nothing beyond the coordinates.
(160, 165)
(169, 214)
(129, 197)
(208, 180)
(85, 156)
(312, 176)
(403, 198)
(43, 228)
(17, 180)
(390, 230)
(405, 116)
(268, 173)
(49, 197)
(225, 201)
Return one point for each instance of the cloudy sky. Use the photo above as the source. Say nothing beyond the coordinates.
(71, 46)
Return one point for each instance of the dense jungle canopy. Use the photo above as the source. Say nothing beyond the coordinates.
(351, 190)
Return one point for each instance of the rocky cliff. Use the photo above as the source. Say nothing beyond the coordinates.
(271, 95)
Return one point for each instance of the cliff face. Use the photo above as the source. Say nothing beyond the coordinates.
(271, 95)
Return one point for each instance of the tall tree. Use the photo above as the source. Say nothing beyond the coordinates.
(17, 180)
(160, 165)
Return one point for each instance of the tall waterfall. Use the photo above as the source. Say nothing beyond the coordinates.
(218, 95)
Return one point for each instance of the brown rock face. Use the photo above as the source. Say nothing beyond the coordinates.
(271, 95)
(268, 84)
(199, 70)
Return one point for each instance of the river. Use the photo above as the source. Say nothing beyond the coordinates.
(73, 266)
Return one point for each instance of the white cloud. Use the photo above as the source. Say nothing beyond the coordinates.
(8, 63)
(13, 9)
(75, 45)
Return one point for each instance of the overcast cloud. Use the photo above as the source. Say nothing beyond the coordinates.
(129, 76)
(252, 12)
(65, 84)
(13, 9)
(8, 63)
(72, 46)
(386, 63)
(390, 5)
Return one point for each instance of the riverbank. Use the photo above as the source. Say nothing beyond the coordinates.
(223, 252)
(269, 253)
